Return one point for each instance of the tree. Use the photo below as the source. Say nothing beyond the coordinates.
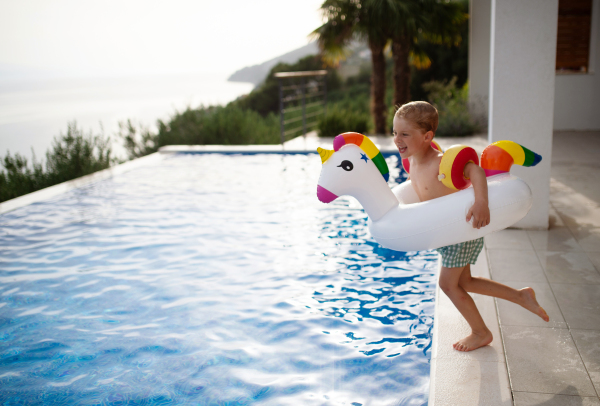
(72, 155)
(348, 20)
(411, 23)
(406, 23)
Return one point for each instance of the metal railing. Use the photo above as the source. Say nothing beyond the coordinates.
(302, 97)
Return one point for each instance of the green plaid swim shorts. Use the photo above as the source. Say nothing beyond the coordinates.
(461, 254)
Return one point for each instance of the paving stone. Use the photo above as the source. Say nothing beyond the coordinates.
(588, 237)
(581, 215)
(588, 344)
(569, 267)
(545, 360)
(556, 239)
(544, 399)
(595, 258)
(515, 265)
(580, 304)
(508, 239)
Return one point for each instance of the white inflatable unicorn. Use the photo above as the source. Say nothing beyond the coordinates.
(397, 220)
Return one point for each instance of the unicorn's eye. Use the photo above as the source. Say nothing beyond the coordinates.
(346, 165)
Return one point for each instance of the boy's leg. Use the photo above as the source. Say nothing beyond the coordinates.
(481, 335)
(524, 297)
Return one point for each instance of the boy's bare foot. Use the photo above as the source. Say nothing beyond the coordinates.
(531, 304)
(473, 342)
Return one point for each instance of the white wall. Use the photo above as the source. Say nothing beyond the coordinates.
(521, 95)
(577, 96)
(479, 55)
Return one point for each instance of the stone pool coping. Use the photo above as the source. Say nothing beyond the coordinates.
(467, 378)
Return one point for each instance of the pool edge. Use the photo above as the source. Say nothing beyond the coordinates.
(473, 378)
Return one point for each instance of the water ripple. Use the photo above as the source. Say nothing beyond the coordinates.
(210, 280)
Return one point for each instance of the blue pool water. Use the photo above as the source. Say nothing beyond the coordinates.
(210, 280)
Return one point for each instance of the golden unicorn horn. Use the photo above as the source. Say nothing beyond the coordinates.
(325, 154)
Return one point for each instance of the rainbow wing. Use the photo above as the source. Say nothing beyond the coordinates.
(501, 155)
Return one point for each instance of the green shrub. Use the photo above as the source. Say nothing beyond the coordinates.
(230, 125)
(71, 156)
(137, 141)
(338, 120)
(18, 178)
(452, 104)
(75, 154)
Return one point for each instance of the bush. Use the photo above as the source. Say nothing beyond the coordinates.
(137, 141)
(230, 125)
(338, 121)
(18, 178)
(75, 154)
(72, 155)
(452, 104)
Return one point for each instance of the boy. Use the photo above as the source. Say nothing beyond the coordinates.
(414, 127)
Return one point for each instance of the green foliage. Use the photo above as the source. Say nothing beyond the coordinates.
(407, 24)
(214, 125)
(348, 107)
(339, 120)
(72, 155)
(446, 61)
(452, 103)
(354, 94)
(137, 141)
(228, 125)
(75, 154)
(18, 178)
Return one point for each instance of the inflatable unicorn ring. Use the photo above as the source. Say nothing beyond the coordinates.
(398, 220)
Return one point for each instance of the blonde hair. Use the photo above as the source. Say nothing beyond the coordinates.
(421, 113)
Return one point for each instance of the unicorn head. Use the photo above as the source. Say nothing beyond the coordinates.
(356, 168)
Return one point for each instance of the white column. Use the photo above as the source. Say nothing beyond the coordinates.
(479, 56)
(521, 103)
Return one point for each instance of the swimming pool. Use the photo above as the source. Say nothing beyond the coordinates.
(210, 280)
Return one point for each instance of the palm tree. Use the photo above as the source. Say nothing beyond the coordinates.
(405, 22)
(410, 22)
(347, 20)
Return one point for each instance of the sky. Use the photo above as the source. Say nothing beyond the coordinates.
(146, 37)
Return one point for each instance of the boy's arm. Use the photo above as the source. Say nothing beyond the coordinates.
(480, 212)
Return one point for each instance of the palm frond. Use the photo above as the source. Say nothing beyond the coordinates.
(418, 58)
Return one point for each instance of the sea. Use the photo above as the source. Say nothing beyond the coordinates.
(33, 111)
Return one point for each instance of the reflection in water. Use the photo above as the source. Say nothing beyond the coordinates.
(210, 280)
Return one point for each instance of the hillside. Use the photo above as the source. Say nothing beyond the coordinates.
(257, 73)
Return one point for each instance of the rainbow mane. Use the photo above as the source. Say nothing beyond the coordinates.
(367, 146)
(501, 155)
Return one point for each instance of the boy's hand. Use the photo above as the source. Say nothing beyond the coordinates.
(480, 212)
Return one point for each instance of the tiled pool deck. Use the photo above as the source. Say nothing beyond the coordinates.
(530, 362)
